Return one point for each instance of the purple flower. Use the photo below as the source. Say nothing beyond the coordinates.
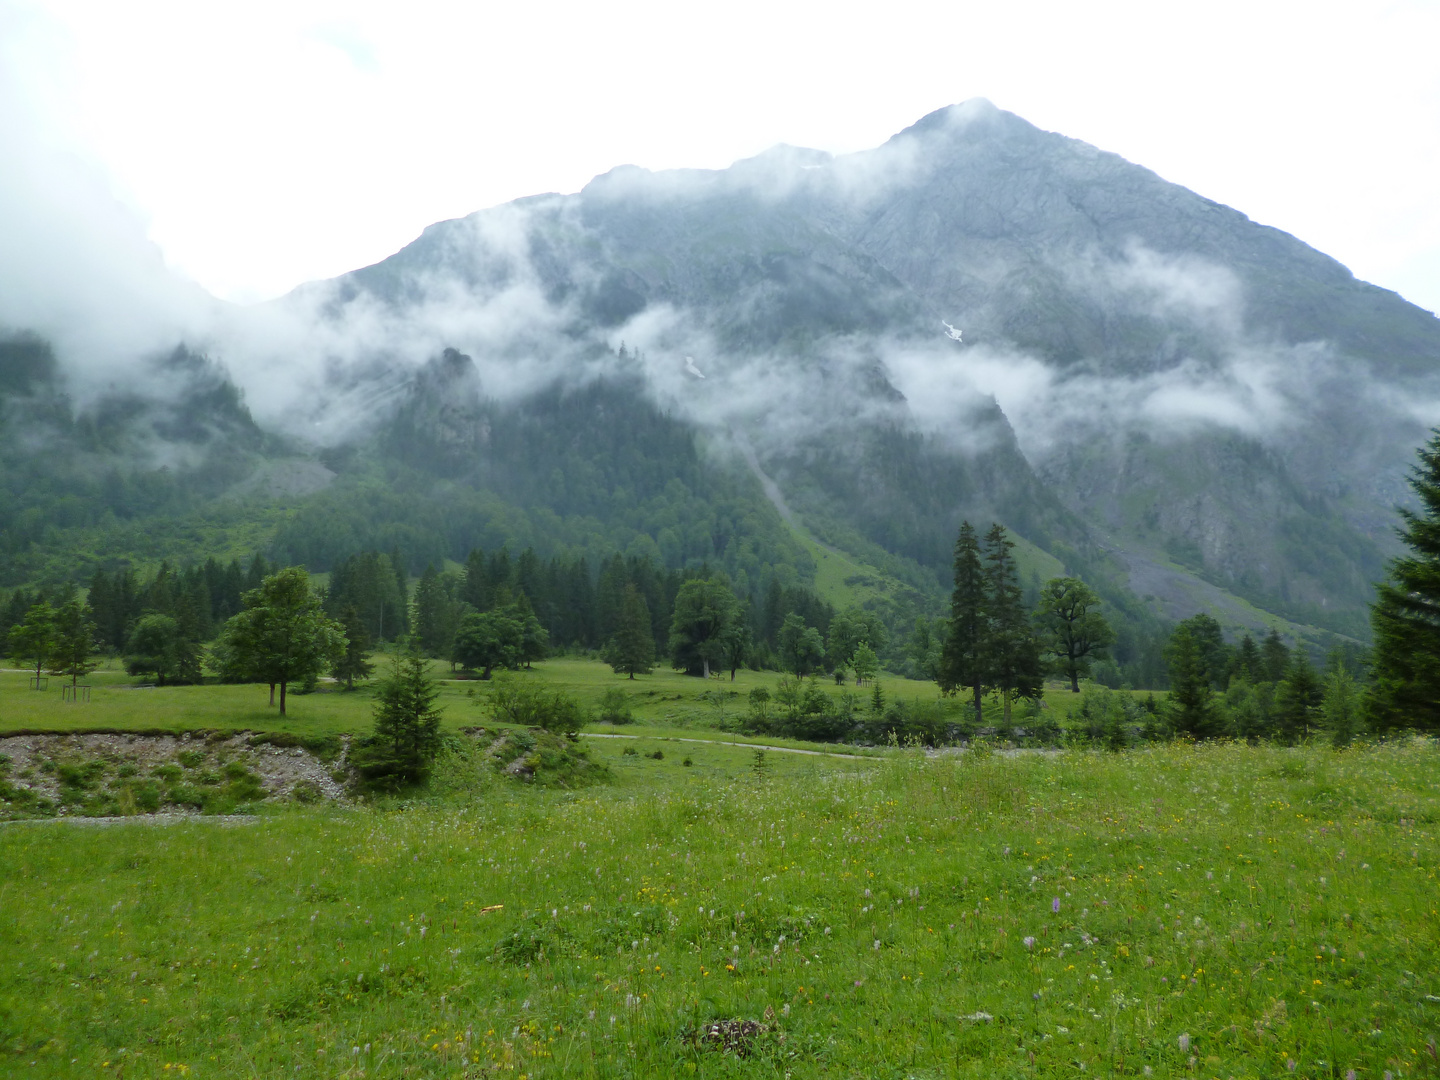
(1029, 943)
(1055, 905)
(1184, 1042)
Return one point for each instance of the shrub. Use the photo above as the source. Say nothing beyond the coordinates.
(615, 707)
(525, 704)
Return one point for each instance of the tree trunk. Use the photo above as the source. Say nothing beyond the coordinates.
(282, 697)
(1006, 698)
(1074, 677)
(272, 693)
(632, 676)
(707, 668)
(979, 711)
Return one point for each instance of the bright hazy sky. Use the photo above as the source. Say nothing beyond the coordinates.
(264, 143)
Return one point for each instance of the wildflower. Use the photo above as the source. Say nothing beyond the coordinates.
(1184, 1042)
(1055, 905)
(877, 944)
(1290, 1064)
(1349, 1074)
(1029, 943)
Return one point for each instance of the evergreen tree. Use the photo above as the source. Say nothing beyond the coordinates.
(475, 586)
(1013, 654)
(1298, 700)
(1405, 618)
(355, 663)
(962, 663)
(407, 725)
(1340, 706)
(434, 627)
(402, 587)
(631, 651)
(1249, 665)
(1074, 633)
(18, 603)
(1215, 657)
(1190, 706)
(1251, 708)
(1274, 658)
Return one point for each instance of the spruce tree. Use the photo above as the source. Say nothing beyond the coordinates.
(431, 615)
(1190, 705)
(1249, 665)
(407, 724)
(1274, 658)
(1013, 653)
(355, 663)
(1298, 700)
(1405, 618)
(1340, 707)
(962, 662)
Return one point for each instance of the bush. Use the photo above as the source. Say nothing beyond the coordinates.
(615, 707)
(525, 704)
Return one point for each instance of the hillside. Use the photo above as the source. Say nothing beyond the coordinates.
(978, 319)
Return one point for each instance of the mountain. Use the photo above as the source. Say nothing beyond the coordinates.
(805, 354)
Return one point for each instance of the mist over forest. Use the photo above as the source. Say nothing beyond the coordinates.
(752, 371)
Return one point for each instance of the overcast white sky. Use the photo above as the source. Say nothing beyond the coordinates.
(267, 143)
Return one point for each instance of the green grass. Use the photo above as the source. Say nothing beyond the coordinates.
(1267, 905)
(663, 702)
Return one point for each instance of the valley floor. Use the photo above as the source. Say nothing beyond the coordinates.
(1215, 911)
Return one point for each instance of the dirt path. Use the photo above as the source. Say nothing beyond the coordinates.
(742, 745)
(138, 819)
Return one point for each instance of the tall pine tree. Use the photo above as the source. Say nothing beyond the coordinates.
(1012, 651)
(1405, 618)
(631, 651)
(962, 663)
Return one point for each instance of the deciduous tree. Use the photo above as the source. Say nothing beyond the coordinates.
(282, 634)
(705, 608)
(1073, 631)
(33, 640)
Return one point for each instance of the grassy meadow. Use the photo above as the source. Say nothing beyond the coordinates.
(662, 702)
(1214, 911)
